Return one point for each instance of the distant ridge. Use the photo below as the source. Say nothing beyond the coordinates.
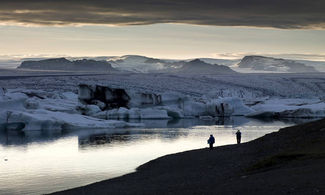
(274, 65)
(144, 64)
(198, 66)
(63, 64)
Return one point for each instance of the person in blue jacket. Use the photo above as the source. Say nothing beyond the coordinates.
(211, 141)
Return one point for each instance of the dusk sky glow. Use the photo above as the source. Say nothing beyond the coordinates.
(216, 29)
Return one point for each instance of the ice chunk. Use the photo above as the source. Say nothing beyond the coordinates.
(192, 108)
(172, 98)
(152, 113)
(112, 114)
(13, 101)
(69, 96)
(123, 113)
(100, 104)
(206, 117)
(31, 103)
(112, 97)
(140, 99)
(289, 108)
(134, 113)
(227, 107)
(85, 92)
(100, 115)
(2, 92)
(92, 109)
(173, 111)
(47, 120)
(38, 120)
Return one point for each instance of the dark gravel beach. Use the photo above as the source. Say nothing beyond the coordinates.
(291, 160)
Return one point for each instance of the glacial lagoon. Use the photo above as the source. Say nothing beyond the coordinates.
(38, 162)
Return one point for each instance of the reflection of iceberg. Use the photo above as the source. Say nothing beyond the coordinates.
(16, 126)
(186, 123)
(232, 121)
(171, 129)
(101, 139)
(14, 137)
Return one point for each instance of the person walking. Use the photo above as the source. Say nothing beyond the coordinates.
(211, 141)
(238, 136)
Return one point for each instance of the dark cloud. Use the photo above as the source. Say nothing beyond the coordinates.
(259, 13)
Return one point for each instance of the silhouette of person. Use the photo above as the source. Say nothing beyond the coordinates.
(238, 136)
(211, 141)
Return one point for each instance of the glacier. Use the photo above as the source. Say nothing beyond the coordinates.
(58, 102)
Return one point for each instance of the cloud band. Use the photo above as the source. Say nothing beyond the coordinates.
(286, 14)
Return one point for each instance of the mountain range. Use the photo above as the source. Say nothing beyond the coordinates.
(274, 64)
(142, 64)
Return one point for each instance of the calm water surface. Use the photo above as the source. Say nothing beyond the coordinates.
(38, 162)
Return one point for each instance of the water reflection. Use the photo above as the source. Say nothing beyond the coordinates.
(106, 136)
(28, 160)
(12, 137)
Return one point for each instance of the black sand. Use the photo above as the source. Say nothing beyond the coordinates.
(289, 161)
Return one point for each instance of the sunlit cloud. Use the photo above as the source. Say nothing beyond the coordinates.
(285, 14)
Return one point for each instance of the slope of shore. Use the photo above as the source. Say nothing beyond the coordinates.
(291, 160)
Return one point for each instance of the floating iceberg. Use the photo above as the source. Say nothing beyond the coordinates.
(289, 108)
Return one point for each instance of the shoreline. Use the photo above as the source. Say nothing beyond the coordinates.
(288, 161)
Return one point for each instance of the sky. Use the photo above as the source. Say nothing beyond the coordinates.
(163, 28)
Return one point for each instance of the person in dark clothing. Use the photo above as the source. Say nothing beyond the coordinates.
(211, 141)
(238, 136)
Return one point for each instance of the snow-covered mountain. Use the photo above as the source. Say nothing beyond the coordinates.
(144, 64)
(225, 62)
(198, 66)
(63, 64)
(318, 65)
(261, 63)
